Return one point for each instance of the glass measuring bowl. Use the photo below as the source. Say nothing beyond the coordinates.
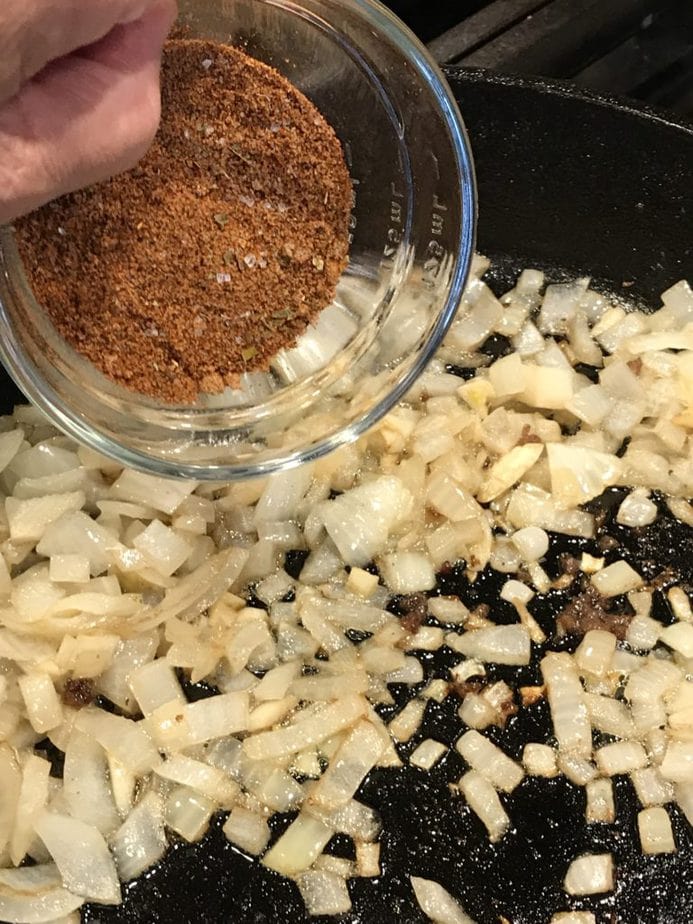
(412, 240)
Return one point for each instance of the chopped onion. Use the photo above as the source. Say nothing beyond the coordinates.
(82, 856)
(360, 521)
(497, 644)
(355, 758)
(592, 874)
(437, 903)
(539, 760)
(299, 846)
(488, 759)
(127, 741)
(600, 801)
(140, 842)
(41, 701)
(483, 800)
(595, 651)
(654, 828)
(407, 572)
(283, 742)
(209, 781)
(86, 786)
(616, 579)
(35, 895)
(247, 830)
(10, 787)
(651, 788)
(573, 917)
(32, 799)
(427, 754)
(406, 723)
(578, 473)
(324, 893)
(620, 757)
(566, 699)
(677, 765)
(188, 812)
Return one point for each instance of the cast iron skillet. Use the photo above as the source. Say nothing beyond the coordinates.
(570, 183)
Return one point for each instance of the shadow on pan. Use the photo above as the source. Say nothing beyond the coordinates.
(572, 184)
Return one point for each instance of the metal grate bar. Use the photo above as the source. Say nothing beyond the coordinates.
(561, 37)
(633, 66)
(484, 26)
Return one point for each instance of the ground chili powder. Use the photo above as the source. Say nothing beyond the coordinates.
(217, 251)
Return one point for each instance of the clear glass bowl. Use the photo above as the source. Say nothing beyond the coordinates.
(413, 227)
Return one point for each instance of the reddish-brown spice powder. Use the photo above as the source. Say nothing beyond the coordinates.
(217, 251)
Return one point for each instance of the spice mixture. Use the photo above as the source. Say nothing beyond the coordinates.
(213, 254)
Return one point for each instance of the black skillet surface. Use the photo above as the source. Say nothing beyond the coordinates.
(569, 183)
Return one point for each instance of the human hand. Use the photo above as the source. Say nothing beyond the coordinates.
(79, 93)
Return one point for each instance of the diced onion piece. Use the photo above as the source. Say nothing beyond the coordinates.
(651, 788)
(324, 893)
(318, 726)
(576, 769)
(28, 519)
(643, 632)
(600, 802)
(407, 572)
(163, 494)
(188, 812)
(216, 716)
(126, 740)
(506, 376)
(637, 510)
(566, 700)
(41, 701)
(69, 569)
(348, 768)
(679, 636)
(476, 712)
(621, 757)
(539, 760)
(680, 604)
(35, 895)
(579, 473)
(209, 781)
(616, 579)
(162, 548)
(299, 846)
(677, 765)
(483, 800)
(531, 542)
(610, 716)
(360, 521)
(508, 470)
(592, 874)
(140, 842)
(595, 652)
(573, 917)
(488, 759)
(82, 856)
(496, 644)
(32, 799)
(155, 684)
(427, 754)
(654, 828)
(361, 582)
(247, 830)
(406, 723)
(515, 590)
(86, 785)
(437, 903)
(448, 609)
(547, 387)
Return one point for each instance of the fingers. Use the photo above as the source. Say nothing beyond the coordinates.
(84, 118)
(36, 32)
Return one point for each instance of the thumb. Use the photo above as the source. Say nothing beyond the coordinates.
(85, 117)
